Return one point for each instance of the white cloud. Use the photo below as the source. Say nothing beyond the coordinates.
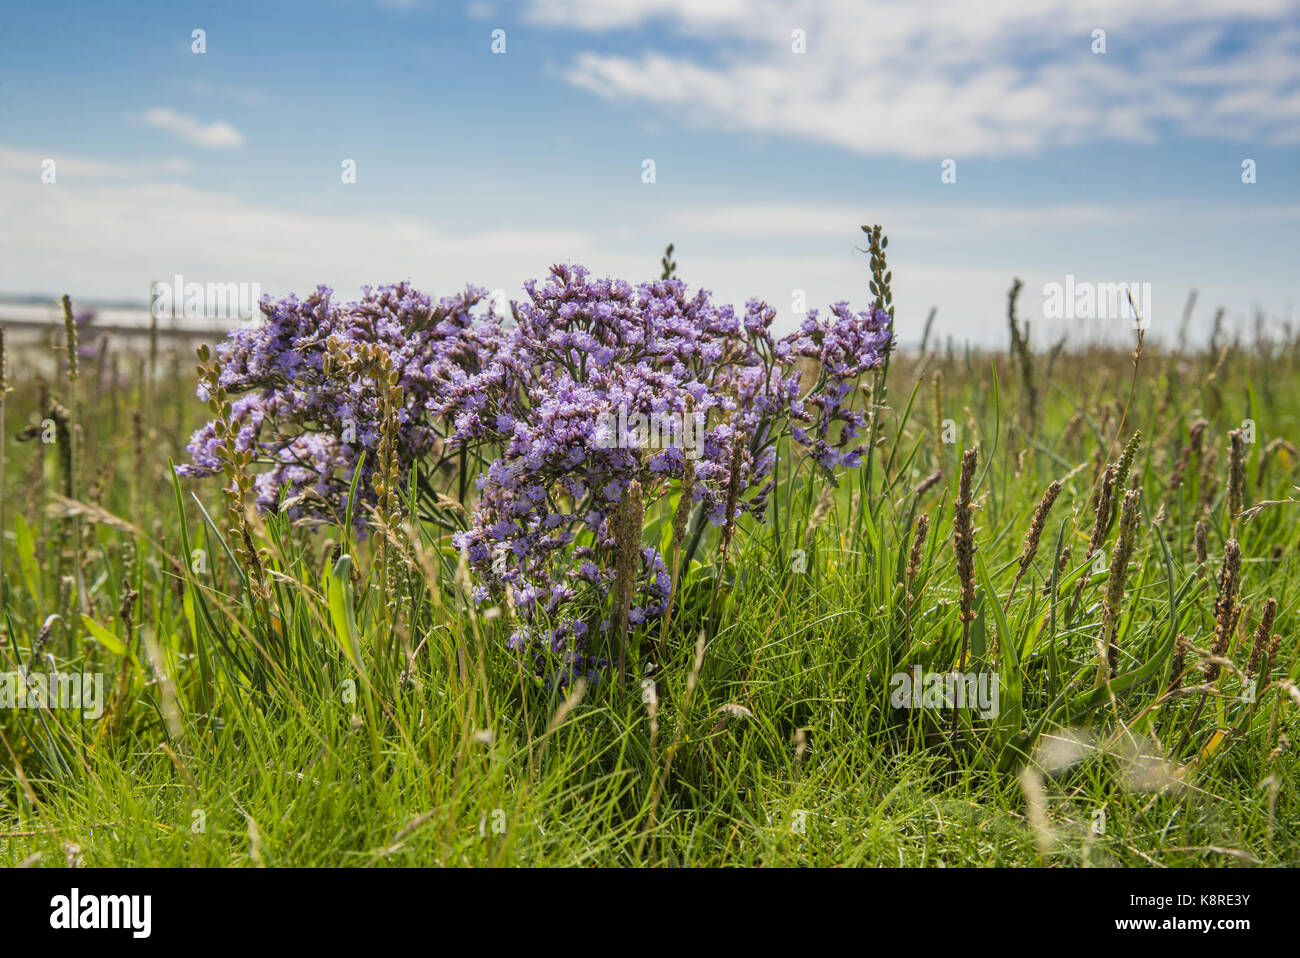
(972, 222)
(215, 135)
(110, 238)
(27, 163)
(953, 78)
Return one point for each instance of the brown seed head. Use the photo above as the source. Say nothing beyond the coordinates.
(1236, 473)
(1101, 520)
(1037, 524)
(918, 546)
(1225, 606)
(963, 535)
(1179, 662)
(1262, 636)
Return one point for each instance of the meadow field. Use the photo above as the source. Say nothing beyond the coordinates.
(1100, 545)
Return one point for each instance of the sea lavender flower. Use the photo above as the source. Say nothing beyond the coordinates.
(311, 427)
(535, 398)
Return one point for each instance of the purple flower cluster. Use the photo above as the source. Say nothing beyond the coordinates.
(309, 428)
(587, 353)
(545, 399)
(843, 347)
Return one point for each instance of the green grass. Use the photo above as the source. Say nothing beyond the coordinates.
(237, 715)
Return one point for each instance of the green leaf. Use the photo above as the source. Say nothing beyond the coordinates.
(342, 614)
(1010, 719)
(978, 637)
(104, 637)
(188, 603)
(27, 557)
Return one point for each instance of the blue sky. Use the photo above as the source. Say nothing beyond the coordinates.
(1122, 166)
